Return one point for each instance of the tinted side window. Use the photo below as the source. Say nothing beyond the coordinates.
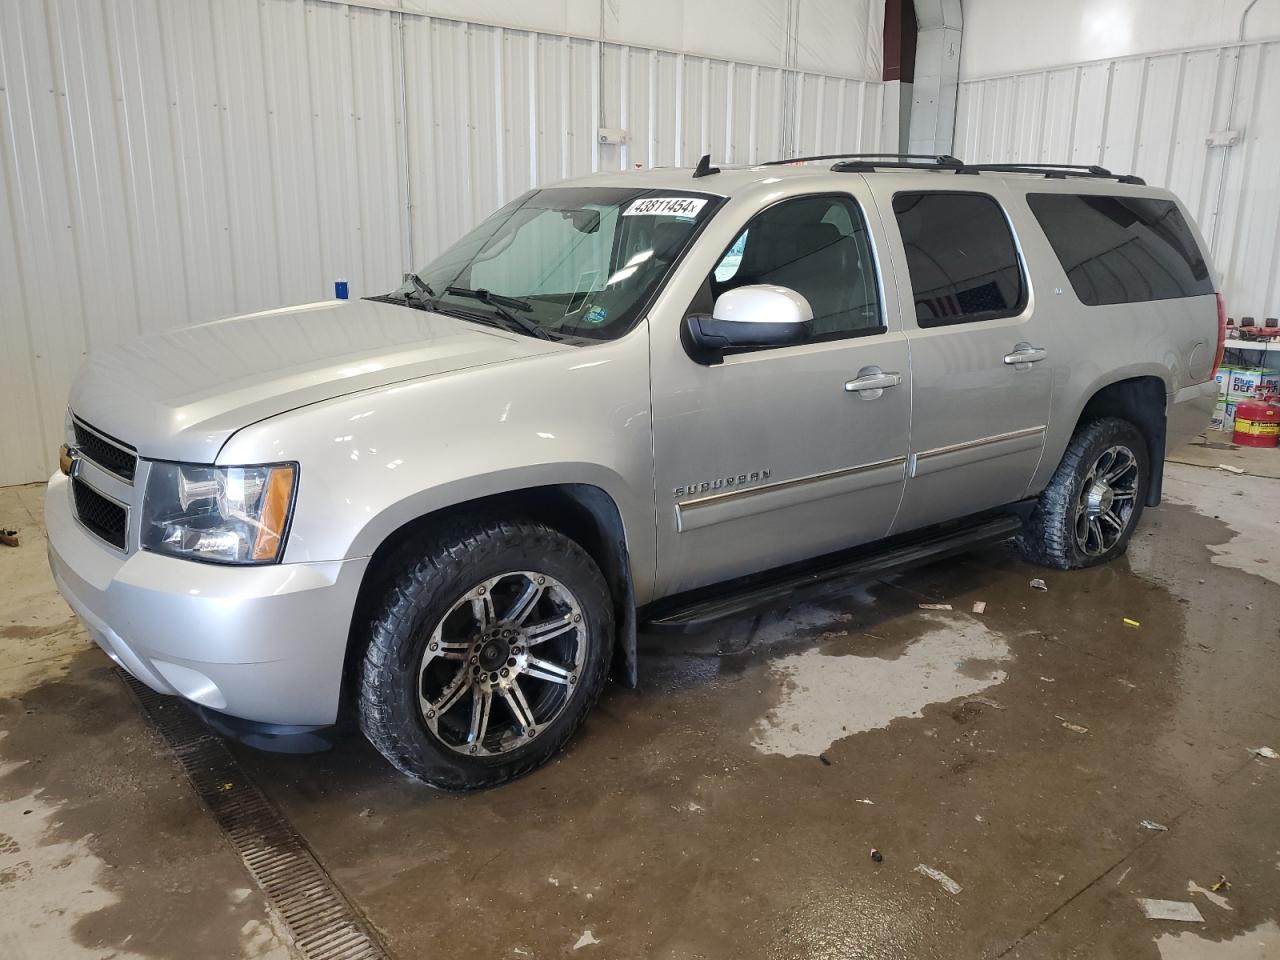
(1122, 249)
(961, 256)
(817, 246)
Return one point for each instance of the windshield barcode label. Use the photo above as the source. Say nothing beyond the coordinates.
(665, 207)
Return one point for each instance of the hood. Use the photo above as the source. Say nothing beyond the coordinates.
(180, 395)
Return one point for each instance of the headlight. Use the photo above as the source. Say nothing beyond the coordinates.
(221, 514)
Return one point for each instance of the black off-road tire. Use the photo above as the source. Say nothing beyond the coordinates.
(458, 557)
(1048, 537)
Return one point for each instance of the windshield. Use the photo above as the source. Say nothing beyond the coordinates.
(575, 261)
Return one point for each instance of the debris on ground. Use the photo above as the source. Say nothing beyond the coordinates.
(823, 758)
(876, 855)
(9, 538)
(1152, 825)
(1217, 899)
(1126, 684)
(986, 702)
(946, 882)
(979, 606)
(870, 803)
(935, 606)
(1129, 622)
(1264, 752)
(1073, 727)
(1048, 679)
(1222, 884)
(586, 940)
(1171, 910)
(366, 812)
(1038, 584)
(1230, 469)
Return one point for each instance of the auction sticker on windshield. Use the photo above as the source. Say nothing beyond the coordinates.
(665, 207)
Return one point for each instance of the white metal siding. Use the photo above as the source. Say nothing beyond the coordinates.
(164, 162)
(1151, 116)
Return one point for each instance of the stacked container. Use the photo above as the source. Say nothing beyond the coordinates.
(1236, 384)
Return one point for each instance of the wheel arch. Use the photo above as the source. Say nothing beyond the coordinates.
(1141, 400)
(585, 513)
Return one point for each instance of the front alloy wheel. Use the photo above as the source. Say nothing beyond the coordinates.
(502, 663)
(490, 645)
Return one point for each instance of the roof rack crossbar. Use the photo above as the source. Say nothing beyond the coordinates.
(923, 159)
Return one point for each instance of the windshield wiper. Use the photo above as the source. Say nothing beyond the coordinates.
(421, 289)
(498, 303)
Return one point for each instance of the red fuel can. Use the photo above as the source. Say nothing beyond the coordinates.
(1257, 424)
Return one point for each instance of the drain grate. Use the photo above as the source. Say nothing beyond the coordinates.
(323, 923)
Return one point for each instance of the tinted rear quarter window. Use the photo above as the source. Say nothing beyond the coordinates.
(961, 255)
(1122, 249)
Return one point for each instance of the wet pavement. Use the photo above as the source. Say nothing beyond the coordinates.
(1002, 762)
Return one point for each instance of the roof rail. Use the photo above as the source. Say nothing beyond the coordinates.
(869, 162)
(1054, 171)
(886, 159)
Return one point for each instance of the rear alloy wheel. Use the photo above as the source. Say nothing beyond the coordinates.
(1106, 501)
(486, 653)
(1088, 512)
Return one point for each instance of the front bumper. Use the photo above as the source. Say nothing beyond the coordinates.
(265, 644)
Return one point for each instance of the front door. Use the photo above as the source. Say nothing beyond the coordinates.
(980, 383)
(778, 454)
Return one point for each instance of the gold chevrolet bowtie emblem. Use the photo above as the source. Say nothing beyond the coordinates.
(65, 459)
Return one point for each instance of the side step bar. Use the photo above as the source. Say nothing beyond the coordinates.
(700, 608)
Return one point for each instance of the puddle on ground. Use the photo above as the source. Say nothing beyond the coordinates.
(48, 886)
(1260, 943)
(828, 698)
(103, 851)
(1236, 503)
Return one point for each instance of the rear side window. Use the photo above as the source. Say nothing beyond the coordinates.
(1122, 249)
(961, 256)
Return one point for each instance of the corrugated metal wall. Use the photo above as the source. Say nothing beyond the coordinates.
(1152, 116)
(165, 163)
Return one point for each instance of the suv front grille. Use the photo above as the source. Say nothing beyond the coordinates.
(104, 517)
(111, 455)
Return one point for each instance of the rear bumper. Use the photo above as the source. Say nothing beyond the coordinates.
(1190, 410)
(264, 644)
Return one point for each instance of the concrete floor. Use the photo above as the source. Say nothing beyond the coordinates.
(728, 807)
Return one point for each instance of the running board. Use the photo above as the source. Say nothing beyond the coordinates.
(703, 607)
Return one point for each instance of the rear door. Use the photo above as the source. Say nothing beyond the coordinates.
(980, 381)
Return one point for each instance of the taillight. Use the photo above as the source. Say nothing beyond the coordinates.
(1222, 334)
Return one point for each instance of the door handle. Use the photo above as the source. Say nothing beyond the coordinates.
(1025, 353)
(871, 382)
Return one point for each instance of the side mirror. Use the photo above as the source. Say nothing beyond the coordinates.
(759, 315)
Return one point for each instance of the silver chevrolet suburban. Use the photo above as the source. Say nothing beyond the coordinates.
(661, 397)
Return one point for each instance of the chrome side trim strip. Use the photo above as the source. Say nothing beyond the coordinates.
(785, 484)
(752, 501)
(1009, 439)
